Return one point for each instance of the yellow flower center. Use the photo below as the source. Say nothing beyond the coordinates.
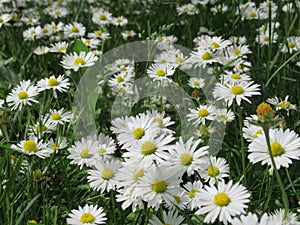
(277, 149)
(252, 14)
(148, 148)
(137, 175)
(159, 121)
(160, 73)
(123, 68)
(102, 17)
(22, 95)
(186, 159)
(54, 146)
(119, 20)
(196, 83)
(53, 82)
(1, 20)
(62, 49)
(56, 116)
(85, 153)
(223, 117)
(37, 174)
(87, 41)
(30, 146)
(101, 150)
(213, 171)
(192, 193)
(206, 56)
(235, 76)
(120, 79)
(266, 38)
(87, 218)
(107, 174)
(45, 30)
(98, 32)
(203, 112)
(75, 29)
(179, 59)
(57, 12)
(79, 61)
(291, 44)
(221, 199)
(284, 105)
(177, 198)
(138, 133)
(38, 128)
(236, 51)
(237, 90)
(159, 186)
(53, 27)
(214, 45)
(260, 131)
(185, 9)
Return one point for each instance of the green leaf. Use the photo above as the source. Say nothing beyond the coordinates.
(78, 46)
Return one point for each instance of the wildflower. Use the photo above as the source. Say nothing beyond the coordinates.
(160, 72)
(102, 17)
(192, 191)
(196, 82)
(41, 50)
(128, 33)
(73, 30)
(32, 33)
(4, 19)
(223, 202)
(59, 47)
(202, 114)
(88, 214)
(74, 61)
(119, 21)
(59, 116)
(171, 217)
(22, 95)
(282, 104)
(224, 115)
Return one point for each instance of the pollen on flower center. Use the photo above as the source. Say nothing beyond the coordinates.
(203, 112)
(213, 171)
(22, 95)
(186, 159)
(75, 29)
(252, 14)
(214, 45)
(61, 49)
(159, 121)
(235, 76)
(107, 173)
(237, 90)
(159, 186)
(123, 68)
(119, 20)
(79, 61)
(192, 193)
(277, 149)
(85, 153)
(206, 56)
(54, 146)
(285, 105)
(179, 59)
(160, 73)
(236, 51)
(56, 116)
(120, 79)
(148, 148)
(221, 199)
(196, 83)
(101, 150)
(98, 32)
(266, 38)
(1, 20)
(291, 44)
(87, 218)
(138, 133)
(53, 82)
(177, 198)
(102, 17)
(260, 131)
(30, 146)
(137, 175)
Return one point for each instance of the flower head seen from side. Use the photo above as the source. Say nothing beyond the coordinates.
(103, 177)
(285, 146)
(282, 104)
(22, 95)
(238, 92)
(223, 202)
(33, 146)
(89, 214)
(170, 217)
(56, 83)
(74, 61)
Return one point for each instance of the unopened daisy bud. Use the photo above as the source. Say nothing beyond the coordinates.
(265, 112)
(204, 132)
(195, 93)
(37, 174)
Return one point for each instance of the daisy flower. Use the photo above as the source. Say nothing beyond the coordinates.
(22, 95)
(103, 35)
(213, 43)
(157, 185)
(102, 17)
(58, 12)
(32, 33)
(59, 116)
(222, 202)
(126, 195)
(41, 127)
(224, 115)
(285, 146)
(128, 33)
(83, 152)
(163, 122)
(203, 57)
(41, 50)
(106, 145)
(4, 18)
(88, 214)
(59, 47)
(119, 21)
(279, 217)
(160, 71)
(282, 104)
(247, 220)
(73, 61)
(230, 77)
(292, 45)
(171, 217)
(33, 147)
(103, 178)
(250, 132)
(196, 82)
(91, 43)
(73, 30)
(217, 170)
(238, 92)
(188, 9)
(188, 157)
(59, 83)
(192, 191)
(201, 114)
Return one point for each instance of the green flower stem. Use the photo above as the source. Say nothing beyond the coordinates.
(283, 193)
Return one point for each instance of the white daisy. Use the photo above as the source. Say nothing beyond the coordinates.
(91, 43)
(285, 146)
(102, 17)
(224, 115)
(41, 50)
(41, 127)
(223, 202)
(32, 33)
(33, 147)
(59, 143)
(103, 178)
(59, 47)
(160, 71)
(246, 220)
(192, 191)
(196, 82)
(280, 218)
(89, 214)
(239, 92)
(5, 18)
(203, 57)
(217, 170)
(73, 30)
(171, 217)
(83, 152)
(103, 35)
(163, 122)
(60, 116)
(59, 83)
(73, 61)
(22, 95)
(119, 21)
(235, 78)
(282, 104)
(213, 43)
(128, 33)
(201, 114)
(106, 145)
(188, 157)
(127, 196)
